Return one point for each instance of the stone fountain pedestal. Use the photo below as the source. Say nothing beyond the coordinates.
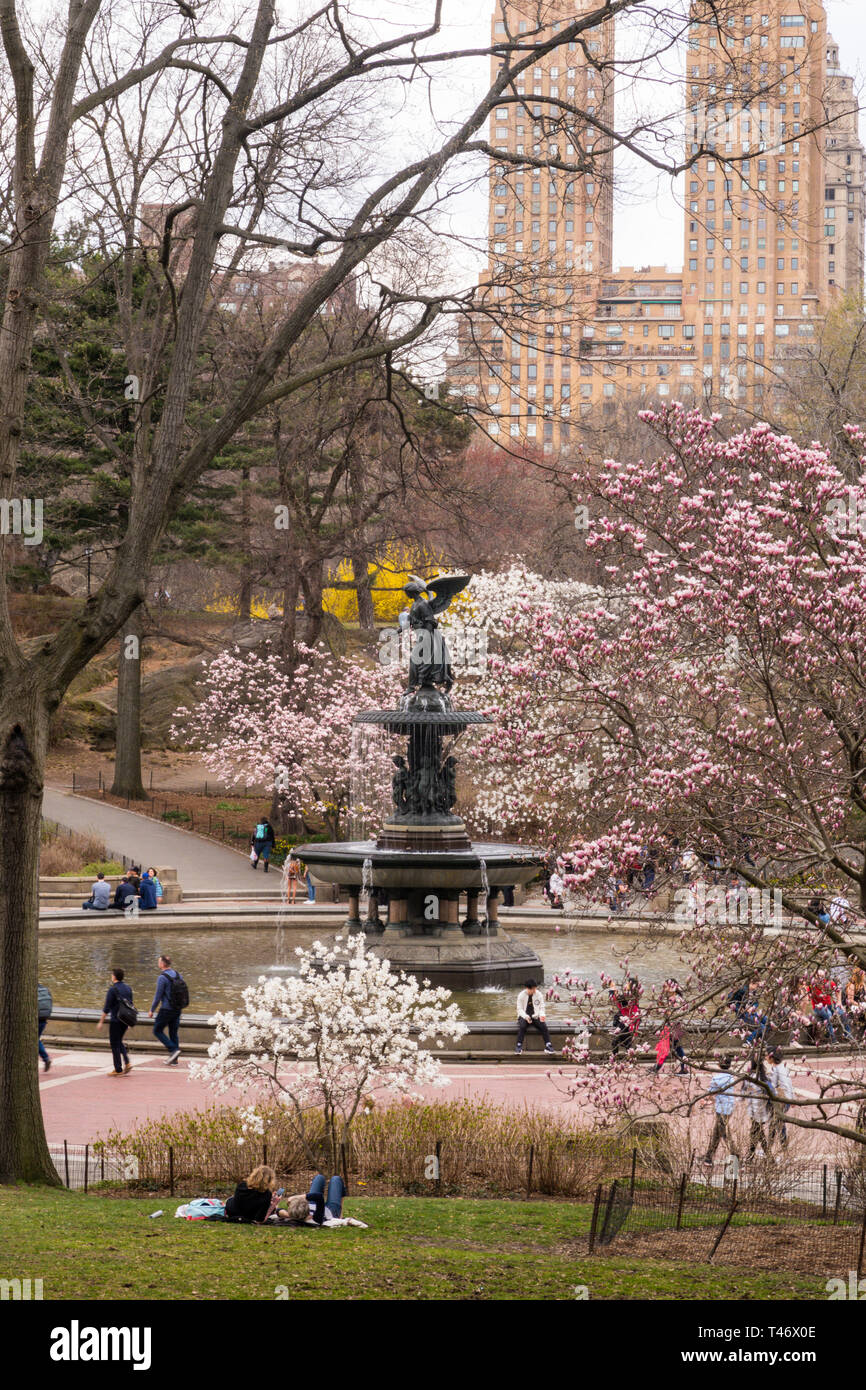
(423, 860)
(435, 878)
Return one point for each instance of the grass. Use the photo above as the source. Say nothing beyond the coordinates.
(96, 1247)
(105, 866)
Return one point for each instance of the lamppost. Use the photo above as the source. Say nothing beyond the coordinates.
(87, 554)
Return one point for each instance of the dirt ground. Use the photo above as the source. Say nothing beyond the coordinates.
(801, 1249)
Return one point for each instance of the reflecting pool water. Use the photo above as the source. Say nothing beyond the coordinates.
(218, 965)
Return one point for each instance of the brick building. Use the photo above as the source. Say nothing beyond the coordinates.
(774, 209)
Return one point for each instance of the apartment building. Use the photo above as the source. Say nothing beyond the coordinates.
(774, 209)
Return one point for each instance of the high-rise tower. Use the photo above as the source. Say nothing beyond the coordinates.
(767, 242)
(551, 228)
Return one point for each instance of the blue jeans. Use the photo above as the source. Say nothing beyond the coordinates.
(167, 1020)
(336, 1192)
(43, 1024)
(311, 890)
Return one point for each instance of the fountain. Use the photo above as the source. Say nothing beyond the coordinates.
(423, 858)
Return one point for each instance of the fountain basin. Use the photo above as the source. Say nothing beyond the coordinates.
(455, 869)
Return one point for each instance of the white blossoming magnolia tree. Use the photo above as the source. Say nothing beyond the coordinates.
(325, 1040)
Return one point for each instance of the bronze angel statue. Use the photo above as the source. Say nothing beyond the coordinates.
(430, 660)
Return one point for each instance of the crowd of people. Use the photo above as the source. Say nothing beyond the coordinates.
(171, 997)
(813, 1009)
(768, 1092)
(137, 889)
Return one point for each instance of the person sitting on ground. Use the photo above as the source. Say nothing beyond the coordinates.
(826, 1009)
(124, 893)
(855, 997)
(253, 1198)
(147, 892)
(313, 1209)
(531, 1013)
(100, 894)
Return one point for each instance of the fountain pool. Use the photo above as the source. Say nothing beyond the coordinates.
(218, 965)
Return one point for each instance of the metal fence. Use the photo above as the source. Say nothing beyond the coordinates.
(804, 1220)
(82, 1166)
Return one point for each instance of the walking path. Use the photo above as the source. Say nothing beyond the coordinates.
(201, 864)
(80, 1101)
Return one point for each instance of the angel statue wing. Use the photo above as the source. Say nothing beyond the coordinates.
(444, 588)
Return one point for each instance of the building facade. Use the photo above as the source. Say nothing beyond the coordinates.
(774, 209)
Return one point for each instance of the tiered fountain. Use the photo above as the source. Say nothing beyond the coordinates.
(423, 857)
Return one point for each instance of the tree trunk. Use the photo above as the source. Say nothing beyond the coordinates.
(127, 758)
(23, 727)
(361, 576)
(314, 614)
(245, 597)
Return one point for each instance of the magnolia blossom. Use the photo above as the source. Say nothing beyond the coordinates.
(713, 693)
(322, 1041)
(257, 722)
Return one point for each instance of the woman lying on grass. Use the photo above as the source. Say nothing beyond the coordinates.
(314, 1210)
(254, 1200)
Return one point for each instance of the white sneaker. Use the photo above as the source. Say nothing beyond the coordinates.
(172, 1060)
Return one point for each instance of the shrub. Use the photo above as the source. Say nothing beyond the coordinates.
(483, 1147)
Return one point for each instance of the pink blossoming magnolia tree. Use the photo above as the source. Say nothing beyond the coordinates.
(258, 722)
(712, 697)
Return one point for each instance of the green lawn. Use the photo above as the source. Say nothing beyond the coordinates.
(416, 1248)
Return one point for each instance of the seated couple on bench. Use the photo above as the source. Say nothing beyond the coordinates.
(254, 1200)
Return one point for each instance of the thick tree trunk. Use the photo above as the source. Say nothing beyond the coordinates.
(127, 758)
(23, 1149)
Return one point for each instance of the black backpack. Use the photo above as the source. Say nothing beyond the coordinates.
(126, 1013)
(178, 994)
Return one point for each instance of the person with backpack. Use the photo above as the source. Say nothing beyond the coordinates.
(121, 1015)
(170, 999)
(263, 841)
(45, 1005)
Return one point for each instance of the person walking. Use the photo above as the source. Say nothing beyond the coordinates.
(670, 1043)
(45, 1008)
(262, 842)
(757, 1090)
(118, 990)
(531, 1014)
(783, 1093)
(100, 895)
(170, 999)
(311, 887)
(722, 1089)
